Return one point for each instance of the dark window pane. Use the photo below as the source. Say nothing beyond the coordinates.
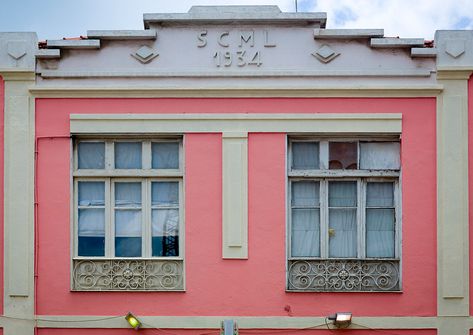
(128, 246)
(305, 155)
(91, 246)
(165, 231)
(165, 155)
(91, 155)
(343, 155)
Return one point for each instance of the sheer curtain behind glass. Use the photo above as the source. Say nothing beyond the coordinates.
(165, 218)
(91, 216)
(342, 203)
(305, 222)
(128, 219)
(380, 218)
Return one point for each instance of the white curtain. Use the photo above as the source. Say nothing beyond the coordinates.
(91, 220)
(305, 155)
(128, 155)
(380, 155)
(165, 155)
(165, 193)
(342, 219)
(380, 222)
(305, 221)
(91, 155)
(128, 221)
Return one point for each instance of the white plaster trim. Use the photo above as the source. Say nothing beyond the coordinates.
(452, 200)
(235, 195)
(73, 44)
(395, 42)
(424, 52)
(213, 322)
(372, 123)
(347, 33)
(235, 74)
(122, 34)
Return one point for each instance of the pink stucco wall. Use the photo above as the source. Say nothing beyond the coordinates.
(253, 287)
(243, 332)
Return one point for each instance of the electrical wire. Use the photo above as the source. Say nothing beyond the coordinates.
(388, 332)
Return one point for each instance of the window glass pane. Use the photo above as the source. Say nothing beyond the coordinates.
(165, 155)
(380, 195)
(91, 193)
(380, 155)
(343, 155)
(342, 194)
(128, 233)
(342, 232)
(91, 232)
(305, 155)
(305, 235)
(91, 155)
(305, 193)
(165, 231)
(127, 155)
(165, 193)
(127, 194)
(380, 233)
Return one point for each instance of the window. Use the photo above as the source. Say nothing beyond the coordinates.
(128, 222)
(344, 215)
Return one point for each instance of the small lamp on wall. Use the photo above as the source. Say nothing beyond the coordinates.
(341, 319)
(133, 321)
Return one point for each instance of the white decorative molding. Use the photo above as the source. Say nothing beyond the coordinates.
(455, 47)
(369, 123)
(17, 49)
(145, 54)
(342, 275)
(325, 54)
(235, 195)
(127, 275)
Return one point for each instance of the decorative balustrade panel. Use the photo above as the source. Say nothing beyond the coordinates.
(128, 275)
(338, 275)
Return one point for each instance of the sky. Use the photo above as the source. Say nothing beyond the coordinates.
(54, 19)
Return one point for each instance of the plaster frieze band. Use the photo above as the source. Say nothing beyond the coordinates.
(369, 123)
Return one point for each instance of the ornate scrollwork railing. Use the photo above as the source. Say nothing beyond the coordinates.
(339, 275)
(127, 275)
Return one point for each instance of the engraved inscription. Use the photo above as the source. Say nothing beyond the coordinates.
(239, 48)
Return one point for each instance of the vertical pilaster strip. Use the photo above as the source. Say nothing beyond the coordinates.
(19, 205)
(452, 197)
(235, 195)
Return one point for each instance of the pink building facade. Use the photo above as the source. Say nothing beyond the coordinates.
(239, 164)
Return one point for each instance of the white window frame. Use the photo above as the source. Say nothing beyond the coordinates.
(323, 175)
(109, 175)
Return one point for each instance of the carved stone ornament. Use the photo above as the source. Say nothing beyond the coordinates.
(325, 54)
(127, 275)
(145, 54)
(16, 49)
(337, 275)
(455, 48)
